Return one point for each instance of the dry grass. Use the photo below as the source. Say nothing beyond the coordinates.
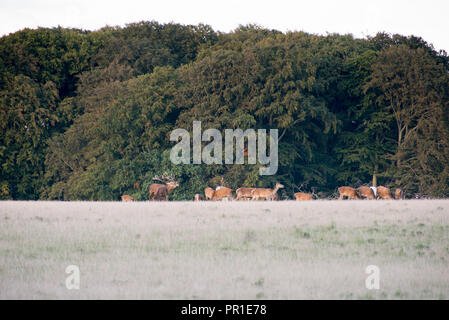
(225, 250)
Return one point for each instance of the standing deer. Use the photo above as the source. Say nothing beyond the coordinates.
(222, 193)
(244, 193)
(399, 194)
(209, 193)
(303, 196)
(161, 191)
(366, 192)
(384, 193)
(322, 195)
(348, 192)
(267, 194)
(126, 198)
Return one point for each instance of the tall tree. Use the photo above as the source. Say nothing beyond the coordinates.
(413, 86)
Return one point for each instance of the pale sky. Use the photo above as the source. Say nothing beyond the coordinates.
(428, 19)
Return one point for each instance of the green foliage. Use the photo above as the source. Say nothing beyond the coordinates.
(411, 85)
(28, 115)
(366, 141)
(87, 115)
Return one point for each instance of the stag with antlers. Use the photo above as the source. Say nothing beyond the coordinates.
(304, 196)
(161, 191)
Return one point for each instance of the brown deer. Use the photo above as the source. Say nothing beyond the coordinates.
(199, 197)
(244, 193)
(384, 193)
(161, 191)
(322, 195)
(301, 196)
(160, 194)
(266, 194)
(209, 193)
(126, 198)
(348, 192)
(222, 193)
(399, 194)
(366, 192)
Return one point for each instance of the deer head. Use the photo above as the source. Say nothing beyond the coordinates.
(278, 186)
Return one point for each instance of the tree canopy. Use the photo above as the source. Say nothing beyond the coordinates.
(87, 115)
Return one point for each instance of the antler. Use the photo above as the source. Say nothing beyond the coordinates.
(299, 187)
(165, 177)
(157, 178)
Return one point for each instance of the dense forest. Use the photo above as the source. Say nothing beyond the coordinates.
(86, 115)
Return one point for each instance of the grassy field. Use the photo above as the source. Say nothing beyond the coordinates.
(225, 250)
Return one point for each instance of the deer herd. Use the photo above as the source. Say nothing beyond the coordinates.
(370, 193)
(161, 191)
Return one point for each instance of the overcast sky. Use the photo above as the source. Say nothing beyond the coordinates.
(428, 19)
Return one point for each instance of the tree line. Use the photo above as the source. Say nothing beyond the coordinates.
(86, 115)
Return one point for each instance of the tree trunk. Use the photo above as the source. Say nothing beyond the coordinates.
(376, 168)
(375, 176)
(401, 130)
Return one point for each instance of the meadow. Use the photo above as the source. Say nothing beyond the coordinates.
(225, 250)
